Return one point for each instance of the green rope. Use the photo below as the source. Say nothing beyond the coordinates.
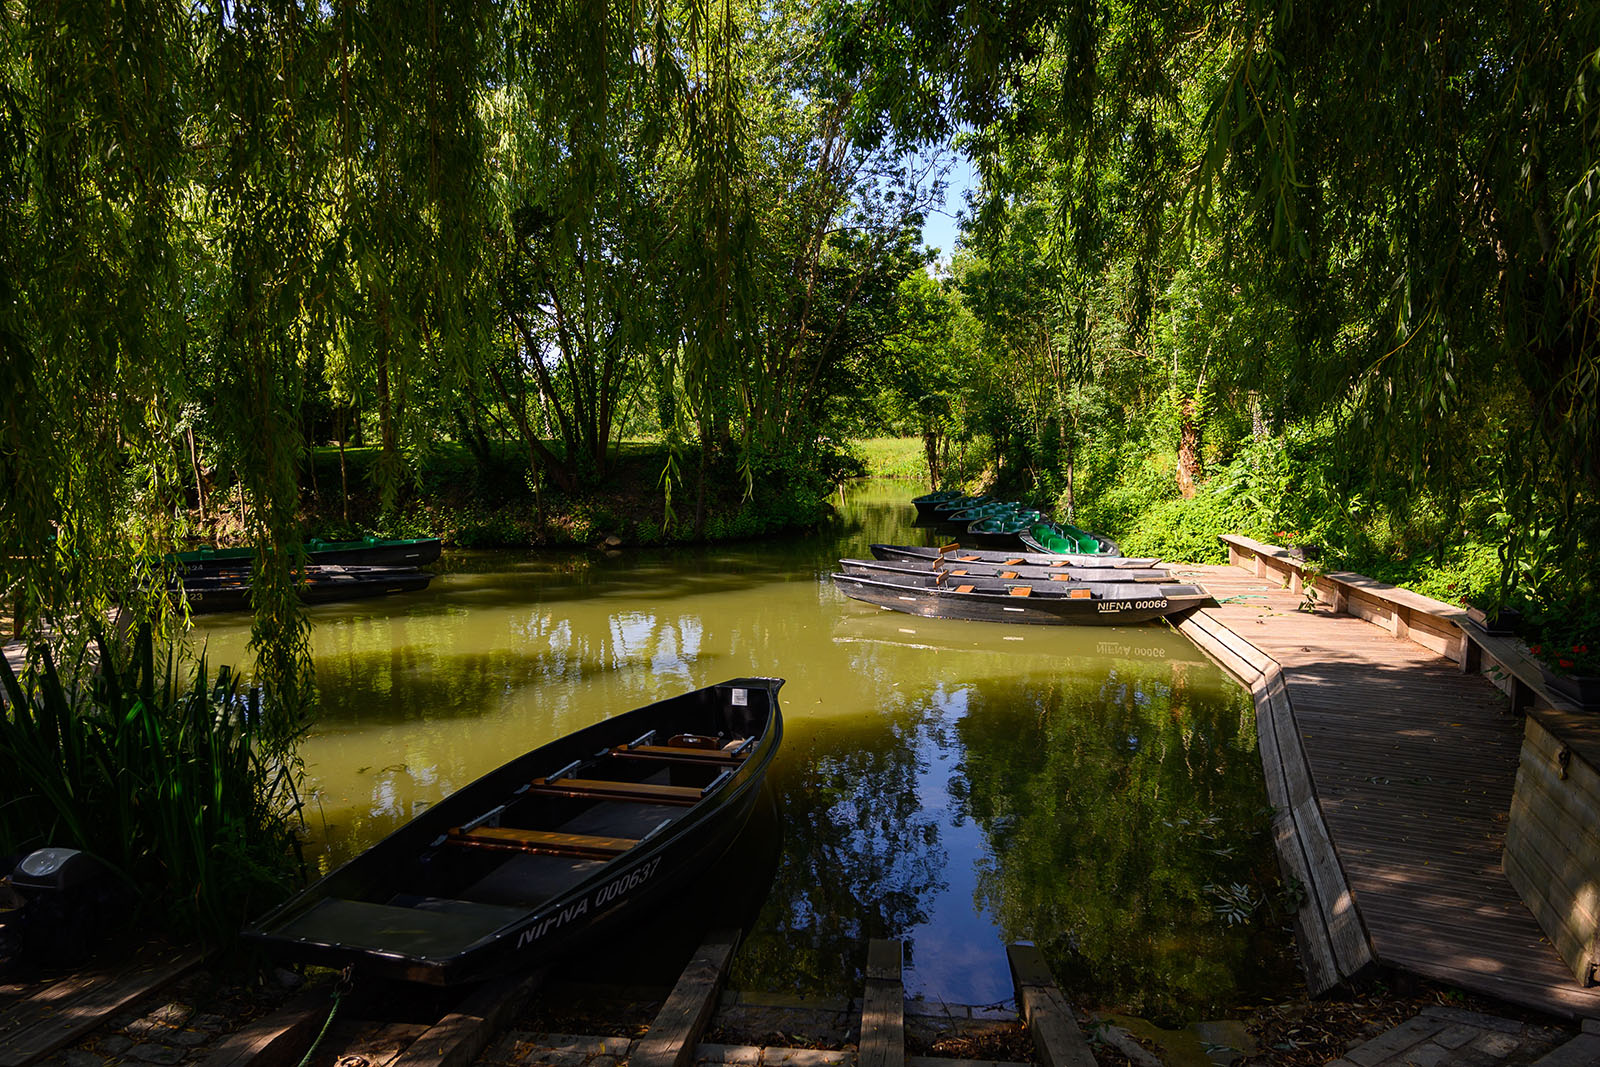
(1242, 596)
(338, 993)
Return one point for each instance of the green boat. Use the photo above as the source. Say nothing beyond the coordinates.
(928, 501)
(367, 552)
(1064, 539)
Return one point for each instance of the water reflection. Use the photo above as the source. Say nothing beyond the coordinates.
(956, 785)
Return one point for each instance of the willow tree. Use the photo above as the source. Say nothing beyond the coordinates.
(91, 321)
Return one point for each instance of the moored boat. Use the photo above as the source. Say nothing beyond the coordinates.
(230, 590)
(956, 553)
(1060, 538)
(1025, 572)
(999, 532)
(517, 867)
(998, 600)
(367, 552)
(928, 501)
(944, 514)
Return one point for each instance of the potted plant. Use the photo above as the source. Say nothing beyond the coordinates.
(1568, 649)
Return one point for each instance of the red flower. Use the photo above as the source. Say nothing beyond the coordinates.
(1565, 662)
(1534, 649)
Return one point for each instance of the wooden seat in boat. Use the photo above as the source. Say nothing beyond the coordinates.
(715, 756)
(547, 841)
(596, 789)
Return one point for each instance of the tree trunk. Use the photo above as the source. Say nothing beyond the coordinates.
(1191, 465)
(930, 448)
(199, 479)
(344, 482)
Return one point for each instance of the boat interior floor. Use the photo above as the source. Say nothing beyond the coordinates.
(531, 878)
(415, 930)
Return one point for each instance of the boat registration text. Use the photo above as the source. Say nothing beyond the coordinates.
(1131, 605)
(613, 890)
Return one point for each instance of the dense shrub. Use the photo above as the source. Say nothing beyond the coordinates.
(163, 779)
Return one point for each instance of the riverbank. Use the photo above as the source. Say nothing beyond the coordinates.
(651, 496)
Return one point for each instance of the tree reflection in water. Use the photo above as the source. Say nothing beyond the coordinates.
(861, 857)
(1128, 834)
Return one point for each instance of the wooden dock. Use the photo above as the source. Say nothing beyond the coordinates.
(1392, 774)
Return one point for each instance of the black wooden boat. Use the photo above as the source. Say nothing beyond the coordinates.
(367, 552)
(956, 553)
(997, 600)
(230, 590)
(1024, 572)
(517, 867)
(928, 501)
(1061, 538)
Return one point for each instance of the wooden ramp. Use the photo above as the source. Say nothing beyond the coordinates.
(1409, 766)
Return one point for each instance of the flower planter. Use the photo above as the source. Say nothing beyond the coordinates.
(1503, 621)
(1582, 689)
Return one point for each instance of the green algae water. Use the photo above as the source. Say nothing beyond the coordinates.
(955, 785)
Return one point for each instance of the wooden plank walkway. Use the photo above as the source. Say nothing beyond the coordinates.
(1412, 763)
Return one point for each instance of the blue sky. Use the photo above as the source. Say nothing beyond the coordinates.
(939, 231)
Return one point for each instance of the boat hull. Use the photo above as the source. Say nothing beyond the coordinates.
(887, 568)
(1107, 605)
(418, 907)
(415, 552)
(926, 504)
(208, 594)
(1040, 559)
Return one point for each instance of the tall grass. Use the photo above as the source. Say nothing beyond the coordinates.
(159, 778)
(892, 457)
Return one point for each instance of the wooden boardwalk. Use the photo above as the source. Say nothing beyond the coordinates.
(1412, 764)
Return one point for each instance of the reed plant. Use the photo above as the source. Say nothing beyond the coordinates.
(160, 777)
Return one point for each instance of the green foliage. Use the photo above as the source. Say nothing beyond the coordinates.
(1242, 207)
(162, 778)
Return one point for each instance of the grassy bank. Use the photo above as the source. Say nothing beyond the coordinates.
(892, 457)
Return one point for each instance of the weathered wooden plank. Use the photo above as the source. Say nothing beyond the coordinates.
(682, 1019)
(883, 1006)
(1056, 1036)
(54, 1022)
(1351, 945)
(1573, 936)
(275, 1039)
(458, 1038)
(1557, 819)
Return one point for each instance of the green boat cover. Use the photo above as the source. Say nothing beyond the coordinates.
(1066, 540)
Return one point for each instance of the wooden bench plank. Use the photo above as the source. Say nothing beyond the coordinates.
(637, 792)
(668, 754)
(547, 841)
(671, 1039)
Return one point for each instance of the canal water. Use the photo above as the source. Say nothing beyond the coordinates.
(956, 785)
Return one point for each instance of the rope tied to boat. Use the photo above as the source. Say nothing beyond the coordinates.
(340, 988)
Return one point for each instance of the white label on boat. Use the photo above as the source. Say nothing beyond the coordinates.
(1011, 609)
(740, 698)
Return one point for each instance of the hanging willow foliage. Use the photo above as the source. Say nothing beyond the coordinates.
(212, 210)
